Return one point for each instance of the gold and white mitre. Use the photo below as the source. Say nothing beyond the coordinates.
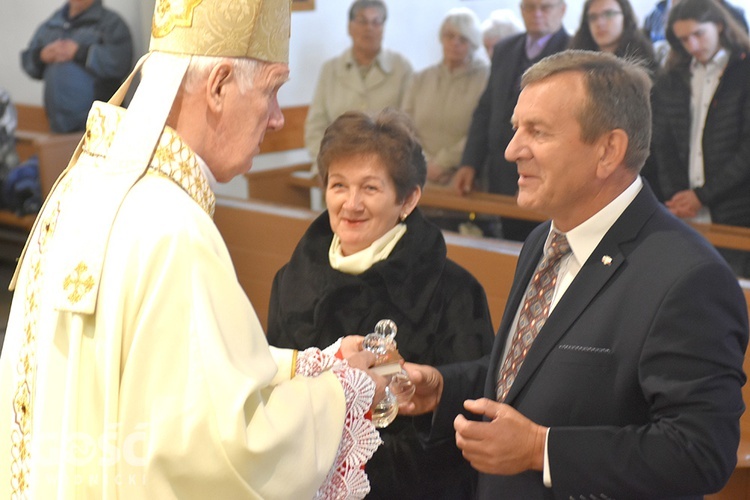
(257, 29)
(229, 28)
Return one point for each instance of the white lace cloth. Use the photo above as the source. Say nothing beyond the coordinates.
(359, 439)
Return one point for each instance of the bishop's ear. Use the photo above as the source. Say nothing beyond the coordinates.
(217, 84)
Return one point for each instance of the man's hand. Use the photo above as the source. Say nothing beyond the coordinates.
(68, 49)
(437, 174)
(428, 383)
(684, 204)
(49, 53)
(509, 444)
(61, 50)
(463, 180)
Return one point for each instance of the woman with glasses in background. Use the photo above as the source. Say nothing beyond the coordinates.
(611, 26)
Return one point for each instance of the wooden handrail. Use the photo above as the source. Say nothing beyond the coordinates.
(719, 235)
(478, 202)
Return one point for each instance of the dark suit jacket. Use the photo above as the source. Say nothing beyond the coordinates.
(637, 371)
(726, 140)
(490, 130)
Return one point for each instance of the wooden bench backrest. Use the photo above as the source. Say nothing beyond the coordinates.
(34, 137)
(260, 239)
(32, 118)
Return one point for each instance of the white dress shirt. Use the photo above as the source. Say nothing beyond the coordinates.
(703, 83)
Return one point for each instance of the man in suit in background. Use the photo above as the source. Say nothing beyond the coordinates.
(617, 368)
(490, 130)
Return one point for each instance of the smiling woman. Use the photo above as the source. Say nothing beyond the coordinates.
(372, 256)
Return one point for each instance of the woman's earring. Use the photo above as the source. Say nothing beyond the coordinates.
(404, 216)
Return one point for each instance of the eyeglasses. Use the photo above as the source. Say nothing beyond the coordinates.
(362, 21)
(607, 15)
(544, 7)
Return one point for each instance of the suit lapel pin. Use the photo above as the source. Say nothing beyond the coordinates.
(607, 260)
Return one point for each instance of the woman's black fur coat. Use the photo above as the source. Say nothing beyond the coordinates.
(442, 316)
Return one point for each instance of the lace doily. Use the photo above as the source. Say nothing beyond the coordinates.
(359, 438)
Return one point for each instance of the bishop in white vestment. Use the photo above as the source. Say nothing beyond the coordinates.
(134, 365)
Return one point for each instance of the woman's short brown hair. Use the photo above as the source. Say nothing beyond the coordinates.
(388, 135)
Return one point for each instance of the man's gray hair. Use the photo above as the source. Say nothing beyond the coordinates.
(245, 70)
(618, 97)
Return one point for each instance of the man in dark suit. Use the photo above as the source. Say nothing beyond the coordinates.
(490, 130)
(631, 386)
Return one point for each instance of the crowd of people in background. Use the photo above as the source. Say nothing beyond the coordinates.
(462, 106)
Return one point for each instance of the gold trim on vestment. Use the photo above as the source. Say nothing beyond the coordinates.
(172, 159)
(169, 14)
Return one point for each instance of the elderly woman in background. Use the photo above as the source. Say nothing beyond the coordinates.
(501, 23)
(372, 256)
(441, 98)
(365, 77)
(611, 26)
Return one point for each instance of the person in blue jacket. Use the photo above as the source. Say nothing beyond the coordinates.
(83, 53)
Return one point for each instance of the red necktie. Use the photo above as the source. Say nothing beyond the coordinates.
(534, 312)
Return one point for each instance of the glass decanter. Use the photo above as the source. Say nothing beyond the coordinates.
(400, 389)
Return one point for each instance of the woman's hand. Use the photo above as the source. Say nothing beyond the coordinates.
(351, 345)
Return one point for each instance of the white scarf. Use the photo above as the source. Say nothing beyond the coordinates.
(359, 262)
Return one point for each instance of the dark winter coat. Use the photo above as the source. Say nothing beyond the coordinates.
(726, 140)
(442, 316)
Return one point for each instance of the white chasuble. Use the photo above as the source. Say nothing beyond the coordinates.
(136, 368)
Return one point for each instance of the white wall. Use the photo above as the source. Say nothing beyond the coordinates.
(316, 35)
